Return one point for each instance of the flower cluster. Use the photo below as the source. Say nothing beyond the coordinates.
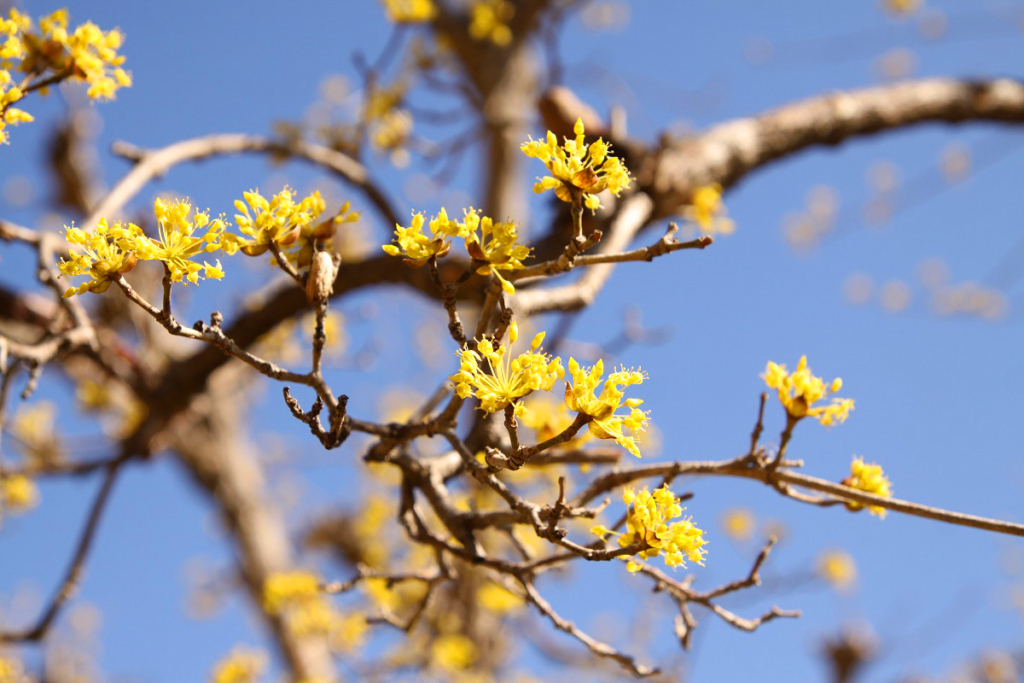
(497, 244)
(837, 568)
(415, 246)
(179, 240)
(707, 211)
(279, 221)
(11, 51)
(870, 479)
(109, 252)
(36, 435)
(241, 666)
(493, 245)
(800, 390)
(297, 596)
(649, 524)
(389, 124)
(605, 423)
(410, 11)
(89, 54)
(493, 376)
(489, 21)
(578, 169)
(453, 652)
(17, 494)
(52, 54)
(11, 671)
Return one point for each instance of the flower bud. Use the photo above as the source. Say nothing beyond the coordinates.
(320, 284)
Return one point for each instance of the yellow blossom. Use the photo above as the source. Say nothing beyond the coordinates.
(578, 169)
(489, 21)
(708, 211)
(495, 243)
(18, 493)
(799, 391)
(493, 376)
(279, 220)
(289, 588)
(649, 523)
(11, 671)
(605, 423)
(52, 54)
(497, 598)
(182, 237)
(837, 568)
(241, 666)
(368, 526)
(901, 7)
(393, 130)
(348, 632)
(870, 479)
(453, 652)
(415, 246)
(34, 429)
(109, 252)
(738, 523)
(410, 11)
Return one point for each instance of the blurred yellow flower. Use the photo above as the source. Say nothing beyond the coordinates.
(498, 599)
(453, 652)
(241, 666)
(837, 568)
(738, 524)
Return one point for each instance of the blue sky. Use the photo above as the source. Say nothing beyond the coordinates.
(938, 398)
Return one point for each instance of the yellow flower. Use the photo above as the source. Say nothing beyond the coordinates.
(34, 428)
(18, 493)
(177, 243)
(489, 21)
(285, 589)
(837, 568)
(901, 7)
(392, 131)
(453, 652)
(11, 670)
(241, 666)
(707, 211)
(279, 220)
(650, 524)
(416, 247)
(497, 598)
(496, 243)
(578, 168)
(496, 379)
(110, 251)
(870, 479)
(799, 391)
(87, 54)
(348, 631)
(605, 423)
(410, 11)
(738, 524)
